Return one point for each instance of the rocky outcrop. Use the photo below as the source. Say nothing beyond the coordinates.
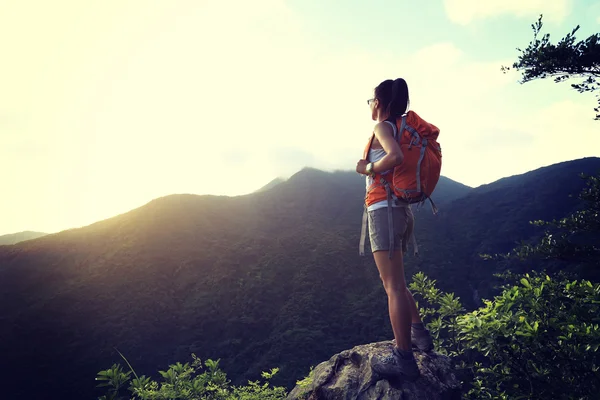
(349, 376)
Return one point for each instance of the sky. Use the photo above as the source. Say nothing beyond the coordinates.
(106, 105)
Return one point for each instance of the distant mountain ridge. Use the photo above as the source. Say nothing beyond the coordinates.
(270, 185)
(14, 238)
(542, 194)
(269, 279)
(450, 189)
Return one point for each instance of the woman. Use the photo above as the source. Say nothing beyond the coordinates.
(390, 102)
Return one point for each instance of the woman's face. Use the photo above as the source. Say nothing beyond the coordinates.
(373, 104)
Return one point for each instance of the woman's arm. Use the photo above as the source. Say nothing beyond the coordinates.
(393, 157)
(385, 134)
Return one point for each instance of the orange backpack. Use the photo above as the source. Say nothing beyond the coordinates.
(415, 179)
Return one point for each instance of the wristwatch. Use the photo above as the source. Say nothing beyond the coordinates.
(369, 169)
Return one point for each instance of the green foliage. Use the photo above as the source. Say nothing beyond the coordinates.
(564, 60)
(187, 382)
(114, 378)
(539, 339)
(257, 391)
(442, 309)
(575, 238)
(306, 383)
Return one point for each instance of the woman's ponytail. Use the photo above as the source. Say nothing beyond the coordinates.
(399, 101)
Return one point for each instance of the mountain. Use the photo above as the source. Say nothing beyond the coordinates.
(270, 279)
(504, 205)
(270, 185)
(495, 218)
(449, 190)
(14, 238)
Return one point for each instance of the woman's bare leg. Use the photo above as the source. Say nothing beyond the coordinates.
(414, 311)
(402, 311)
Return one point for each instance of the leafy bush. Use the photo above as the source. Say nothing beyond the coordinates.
(186, 382)
(539, 339)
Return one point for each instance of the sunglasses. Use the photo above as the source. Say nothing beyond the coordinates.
(370, 101)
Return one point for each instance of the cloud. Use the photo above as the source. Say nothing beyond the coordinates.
(464, 12)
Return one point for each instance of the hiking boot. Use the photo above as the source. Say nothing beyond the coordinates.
(421, 339)
(393, 365)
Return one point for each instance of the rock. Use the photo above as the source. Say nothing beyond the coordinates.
(348, 376)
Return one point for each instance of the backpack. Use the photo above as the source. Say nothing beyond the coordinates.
(416, 178)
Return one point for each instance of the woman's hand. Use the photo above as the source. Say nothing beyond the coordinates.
(361, 167)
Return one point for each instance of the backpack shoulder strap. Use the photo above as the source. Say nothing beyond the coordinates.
(368, 148)
(402, 126)
(393, 127)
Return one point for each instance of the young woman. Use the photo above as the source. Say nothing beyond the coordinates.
(389, 103)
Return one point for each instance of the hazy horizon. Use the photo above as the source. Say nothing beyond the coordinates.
(107, 105)
(283, 178)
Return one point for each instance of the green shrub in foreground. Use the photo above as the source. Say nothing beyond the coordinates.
(539, 339)
(185, 382)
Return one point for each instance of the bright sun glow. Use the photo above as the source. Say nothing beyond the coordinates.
(105, 106)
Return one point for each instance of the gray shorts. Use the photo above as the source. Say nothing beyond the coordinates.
(404, 222)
